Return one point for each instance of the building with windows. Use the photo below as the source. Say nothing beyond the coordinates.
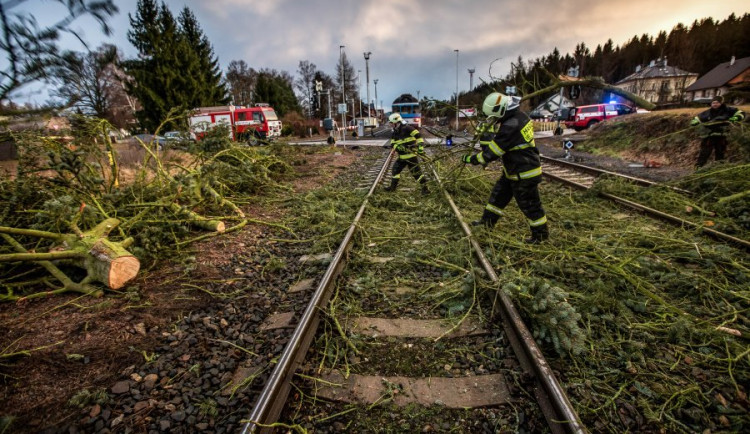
(658, 83)
(722, 80)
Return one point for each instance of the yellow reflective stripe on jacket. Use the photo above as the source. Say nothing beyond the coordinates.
(523, 146)
(524, 175)
(492, 208)
(404, 141)
(496, 149)
(406, 156)
(538, 222)
(480, 158)
(418, 140)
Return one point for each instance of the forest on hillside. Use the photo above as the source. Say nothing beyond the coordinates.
(696, 48)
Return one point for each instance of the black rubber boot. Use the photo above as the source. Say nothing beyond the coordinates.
(425, 190)
(538, 234)
(392, 187)
(488, 220)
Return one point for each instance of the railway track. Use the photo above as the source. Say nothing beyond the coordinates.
(582, 177)
(390, 316)
(401, 356)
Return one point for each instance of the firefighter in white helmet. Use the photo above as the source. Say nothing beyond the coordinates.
(408, 143)
(522, 168)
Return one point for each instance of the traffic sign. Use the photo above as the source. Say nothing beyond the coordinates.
(568, 145)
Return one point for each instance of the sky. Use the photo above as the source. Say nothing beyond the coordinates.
(412, 42)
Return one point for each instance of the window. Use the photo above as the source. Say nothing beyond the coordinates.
(241, 116)
(257, 117)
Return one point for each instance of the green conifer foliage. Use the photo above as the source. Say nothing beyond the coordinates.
(176, 67)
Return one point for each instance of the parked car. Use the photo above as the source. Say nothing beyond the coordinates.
(180, 137)
(150, 138)
(585, 116)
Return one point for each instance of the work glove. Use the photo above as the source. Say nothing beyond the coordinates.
(420, 151)
(467, 159)
(694, 122)
(734, 119)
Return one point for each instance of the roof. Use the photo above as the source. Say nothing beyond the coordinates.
(657, 71)
(720, 75)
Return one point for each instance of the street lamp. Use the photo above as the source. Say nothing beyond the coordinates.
(376, 97)
(359, 90)
(456, 89)
(367, 75)
(343, 97)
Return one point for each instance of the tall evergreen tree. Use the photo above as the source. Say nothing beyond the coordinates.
(175, 69)
(211, 89)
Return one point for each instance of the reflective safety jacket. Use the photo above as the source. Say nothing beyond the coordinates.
(407, 141)
(486, 133)
(714, 123)
(514, 143)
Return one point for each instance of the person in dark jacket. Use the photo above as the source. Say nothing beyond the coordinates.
(408, 143)
(522, 168)
(714, 123)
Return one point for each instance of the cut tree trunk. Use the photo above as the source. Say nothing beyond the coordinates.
(106, 261)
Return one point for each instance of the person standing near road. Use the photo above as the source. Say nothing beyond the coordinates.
(713, 132)
(408, 143)
(522, 168)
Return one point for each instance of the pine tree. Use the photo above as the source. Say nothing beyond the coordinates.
(210, 88)
(176, 68)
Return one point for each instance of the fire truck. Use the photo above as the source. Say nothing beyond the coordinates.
(246, 124)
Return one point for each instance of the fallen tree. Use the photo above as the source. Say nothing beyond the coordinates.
(105, 261)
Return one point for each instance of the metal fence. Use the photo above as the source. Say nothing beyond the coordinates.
(545, 126)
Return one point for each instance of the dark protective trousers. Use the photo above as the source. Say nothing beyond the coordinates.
(526, 193)
(717, 144)
(413, 165)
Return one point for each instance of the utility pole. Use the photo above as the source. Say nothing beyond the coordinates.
(471, 78)
(456, 89)
(343, 94)
(376, 96)
(359, 91)
(367, 76)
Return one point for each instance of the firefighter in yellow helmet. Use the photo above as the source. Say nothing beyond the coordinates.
(522, 169)
(408, 143)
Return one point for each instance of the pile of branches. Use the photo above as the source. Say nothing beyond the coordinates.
(73, 201)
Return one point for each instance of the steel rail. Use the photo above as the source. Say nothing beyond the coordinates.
(272, 399)
(596, 171)
(658, 214)
(556, 407)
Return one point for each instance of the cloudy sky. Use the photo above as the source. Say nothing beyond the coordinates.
(412, 41)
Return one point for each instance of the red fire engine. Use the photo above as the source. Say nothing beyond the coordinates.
(246, 124)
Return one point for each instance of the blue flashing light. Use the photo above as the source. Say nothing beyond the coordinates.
(613, 102)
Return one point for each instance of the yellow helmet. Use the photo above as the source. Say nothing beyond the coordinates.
(496, 104)
(395, 118)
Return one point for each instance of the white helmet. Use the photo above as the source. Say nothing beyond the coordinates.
(496, 104)
(395, 118)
